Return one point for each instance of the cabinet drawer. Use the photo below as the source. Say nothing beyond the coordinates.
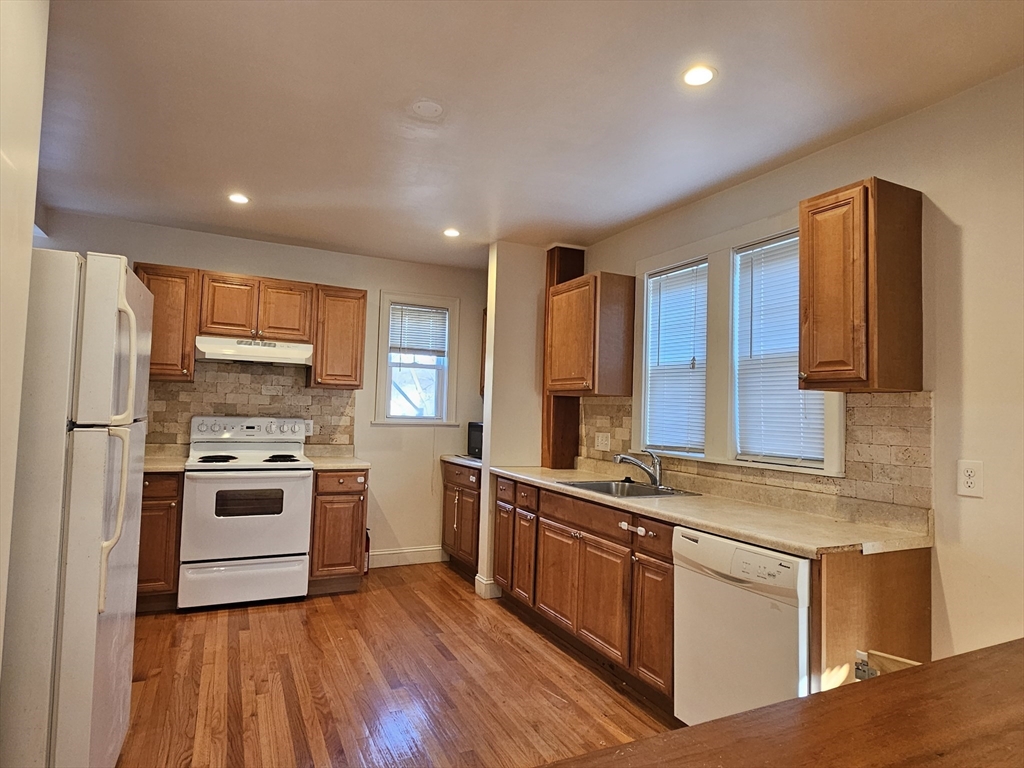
(657, 541)
(467, 477)
(161, 485)
(350, 481)
(526, 497)
(505, 489)
(585, 515)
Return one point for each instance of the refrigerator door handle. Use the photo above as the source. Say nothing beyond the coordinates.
(124, 435)
(133, 352)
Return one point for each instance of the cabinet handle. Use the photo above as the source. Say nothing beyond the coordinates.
(361, 498)
(501, 487)
(458, 472)
(145, 483)
(319, 381)
(341, 481)
(252, 331)
(174, 504)
(627, 527)
(185, 371)
(652, 535)
(801, 375)
(633, 558)
(260, 333)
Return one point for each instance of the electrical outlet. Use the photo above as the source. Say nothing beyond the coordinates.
(309, 427)
(970, 478)
(603, 441)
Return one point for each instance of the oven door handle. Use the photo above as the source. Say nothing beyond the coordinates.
(252, 474)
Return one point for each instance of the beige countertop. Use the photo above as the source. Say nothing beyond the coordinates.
(463, 461)
(174, 463)
(798, 533)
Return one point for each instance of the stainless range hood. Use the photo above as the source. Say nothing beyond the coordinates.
(253, 351)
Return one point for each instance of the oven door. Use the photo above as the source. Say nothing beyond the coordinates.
(245, 514)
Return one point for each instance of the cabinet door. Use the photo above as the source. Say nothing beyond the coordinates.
(175, 320)
(340, 338)
(339, 536)
(524, 555)
(605, 581)
(158, 547)
(468, 534)
(557, 561)
(504, 525)
(286, 311)
(833, 287)
(652, 622)
(449, 523)
(569, 347)
(229, 305)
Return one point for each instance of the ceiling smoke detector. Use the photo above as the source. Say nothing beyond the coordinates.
(427, 109)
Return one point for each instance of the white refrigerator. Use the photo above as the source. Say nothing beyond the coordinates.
(65, 684)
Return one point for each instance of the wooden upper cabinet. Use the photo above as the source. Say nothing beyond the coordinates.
(340, 338)
(175, 320)
(860, 289)
(286, 311)
(230, 305)
(589, 336)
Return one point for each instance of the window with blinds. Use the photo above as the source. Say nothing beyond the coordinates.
(417, 362)
(676, 364)
(775, 420)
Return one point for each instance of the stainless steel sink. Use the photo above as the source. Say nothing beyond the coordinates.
(626, 490)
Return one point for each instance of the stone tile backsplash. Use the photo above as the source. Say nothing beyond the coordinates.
(250, 389)
(888, 462)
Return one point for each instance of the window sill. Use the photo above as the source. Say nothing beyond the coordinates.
(413, 423)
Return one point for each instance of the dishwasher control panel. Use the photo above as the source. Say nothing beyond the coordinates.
(753, 566)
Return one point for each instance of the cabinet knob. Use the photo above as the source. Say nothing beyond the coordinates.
(185, 371)
(633, 558)
(501, 487)
(319, 381)
(458, 472)
(174, 504)
(260, 333)
(252, 331)
(341, 481)
(652, 535)
(361, 498)
(801, 375)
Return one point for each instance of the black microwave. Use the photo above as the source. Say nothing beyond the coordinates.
(475, 444)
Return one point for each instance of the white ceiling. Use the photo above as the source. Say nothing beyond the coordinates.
(563, 120)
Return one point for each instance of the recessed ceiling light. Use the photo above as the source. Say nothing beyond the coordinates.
(699, 75)
(238, 197)
(450, 232)
(427, 109)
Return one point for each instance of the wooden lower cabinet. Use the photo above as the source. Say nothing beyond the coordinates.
(524, 556)
(558, 555)
(467, 533)
(504, 528)
(159, 537)
(449, 524)
(460, 513)
(651, 645)
(339, 536)
(602, 614)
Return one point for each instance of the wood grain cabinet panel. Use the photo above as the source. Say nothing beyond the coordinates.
(339, 536)
(588, 346)
(524, 556)
(504, 527)
(286, 311)
(175, 320)
(558, 554)
(159, 533)
(467, 515)
(230, 305)
(651, 639)
(860, 289)
(340, 338)
(605, 580)
(449, 519)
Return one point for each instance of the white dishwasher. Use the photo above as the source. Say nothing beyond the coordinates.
(741, 626)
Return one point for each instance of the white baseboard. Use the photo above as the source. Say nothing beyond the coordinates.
(386, 558)
(486, 588)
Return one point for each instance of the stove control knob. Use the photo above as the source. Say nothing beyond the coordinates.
(271, 428)
(202, 426)
(295, 427)
(215, 427)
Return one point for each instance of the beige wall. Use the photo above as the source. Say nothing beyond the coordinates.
(966, 155)
(22, 63)
(405, 493)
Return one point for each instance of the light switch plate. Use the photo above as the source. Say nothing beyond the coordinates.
(970, 478)
(603, 441)
(309, 427)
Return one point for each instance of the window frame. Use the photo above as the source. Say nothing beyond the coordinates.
(383, 383)
(720, 428)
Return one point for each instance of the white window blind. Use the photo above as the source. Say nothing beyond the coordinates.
(776, 421)
(418, 330)
(677, 324)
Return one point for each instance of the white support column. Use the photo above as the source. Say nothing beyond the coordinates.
(513, 390)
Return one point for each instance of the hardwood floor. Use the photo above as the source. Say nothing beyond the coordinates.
(413, 670)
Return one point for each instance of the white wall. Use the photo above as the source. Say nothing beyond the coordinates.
(966, 155)
(22, 64)
(405, 487)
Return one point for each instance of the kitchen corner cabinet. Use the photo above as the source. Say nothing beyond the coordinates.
(159, 535)
(589, 336)
(340, 338)
(338, 535)
(860, 289)
(245, 306)
(175, 320)
(460, 518)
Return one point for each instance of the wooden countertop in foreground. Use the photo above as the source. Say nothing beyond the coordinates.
(965, 710)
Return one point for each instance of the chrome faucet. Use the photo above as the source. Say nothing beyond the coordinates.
(653, 471)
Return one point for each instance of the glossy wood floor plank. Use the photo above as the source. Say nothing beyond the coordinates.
(413, 670)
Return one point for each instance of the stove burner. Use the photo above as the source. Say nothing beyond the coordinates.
(219, 458)
(281, 458)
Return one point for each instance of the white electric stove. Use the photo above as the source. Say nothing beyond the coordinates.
(246, 511)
